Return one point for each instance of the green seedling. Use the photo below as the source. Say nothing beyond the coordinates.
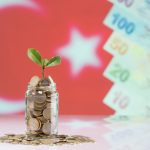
(36, 57)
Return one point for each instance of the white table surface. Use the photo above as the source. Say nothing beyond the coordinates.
(109, 135)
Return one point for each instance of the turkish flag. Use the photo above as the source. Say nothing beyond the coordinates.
(72, 29)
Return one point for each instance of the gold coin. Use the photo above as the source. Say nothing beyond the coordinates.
(46, 128)
(39, 106)
(42, 119)
(48, 94)
(48, 105)
(34, 124)
(44, 82)
(49, 141)
(37, 113)
(39, 96)
(47, 113)
(48, 99)
(38, 139)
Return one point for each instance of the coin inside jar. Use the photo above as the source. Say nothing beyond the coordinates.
(44, 82)
(34, 81)
(47, 113)
(48, 105)
(48, 94)
(39, 97)
(46, 128)
(37, 113)
(38, 106)
(34, 124)
(42, 119)
(48, 99)
(41, 102)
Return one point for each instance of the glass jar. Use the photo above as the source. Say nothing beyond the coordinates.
(41, 114)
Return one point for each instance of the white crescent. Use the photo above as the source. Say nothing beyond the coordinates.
(24, 3)
(7, 106)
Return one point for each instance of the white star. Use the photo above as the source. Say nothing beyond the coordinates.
(25, 3)
(81, 51)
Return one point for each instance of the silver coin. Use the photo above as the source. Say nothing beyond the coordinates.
(46, 128)
(44, 82)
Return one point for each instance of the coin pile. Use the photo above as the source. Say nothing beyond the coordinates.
(41, 107)
(44, 139)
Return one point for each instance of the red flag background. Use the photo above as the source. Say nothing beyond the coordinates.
(72, 29)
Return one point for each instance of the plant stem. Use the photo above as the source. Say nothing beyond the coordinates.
(43, 72)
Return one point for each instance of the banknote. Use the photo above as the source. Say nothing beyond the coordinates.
(125, 102)
(129, 25)
(130, 73)
(140, 9)
(129, 82)
(134, 57)
(129, 69)
(132, 68)
(129, 137)
(120, 46)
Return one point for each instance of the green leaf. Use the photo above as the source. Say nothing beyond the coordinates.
(53, 61)
(44, 62)
(35, 56)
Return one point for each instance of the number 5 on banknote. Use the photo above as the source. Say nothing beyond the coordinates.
(118, 45)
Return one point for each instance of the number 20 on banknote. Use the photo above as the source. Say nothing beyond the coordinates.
(116, 72)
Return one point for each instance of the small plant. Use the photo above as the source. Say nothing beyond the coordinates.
(35, 56)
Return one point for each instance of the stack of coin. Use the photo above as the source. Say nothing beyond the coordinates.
(41, 108)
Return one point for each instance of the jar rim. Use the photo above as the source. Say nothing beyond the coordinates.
(52, 85)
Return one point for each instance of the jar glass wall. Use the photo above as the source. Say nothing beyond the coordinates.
(41, 113)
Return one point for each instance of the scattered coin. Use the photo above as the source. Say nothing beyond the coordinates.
(30, 139)
(10, 134)
(49, 141)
